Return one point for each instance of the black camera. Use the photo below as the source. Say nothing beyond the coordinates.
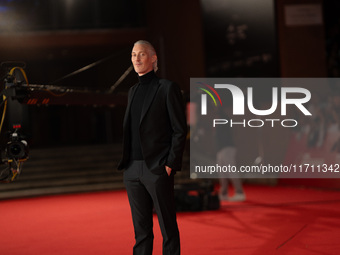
(16, 153)
(17, 147)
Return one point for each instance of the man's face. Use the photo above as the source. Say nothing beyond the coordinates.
(141, 59)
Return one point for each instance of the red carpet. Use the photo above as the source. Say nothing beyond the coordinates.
(274, 220)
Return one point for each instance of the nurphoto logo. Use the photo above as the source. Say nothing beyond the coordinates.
(264, 128)
(238, 99)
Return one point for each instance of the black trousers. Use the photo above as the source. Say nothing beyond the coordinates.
(147, 190)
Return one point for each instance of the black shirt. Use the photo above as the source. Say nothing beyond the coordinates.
(136, 112)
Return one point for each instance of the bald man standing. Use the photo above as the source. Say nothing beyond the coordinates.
(154, 137)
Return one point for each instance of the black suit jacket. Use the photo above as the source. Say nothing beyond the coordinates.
(162, 128)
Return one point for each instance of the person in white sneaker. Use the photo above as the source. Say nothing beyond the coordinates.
(226, 155)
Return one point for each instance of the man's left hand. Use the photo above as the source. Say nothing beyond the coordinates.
(168, 170)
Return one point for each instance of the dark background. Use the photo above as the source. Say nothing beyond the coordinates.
(193, 38)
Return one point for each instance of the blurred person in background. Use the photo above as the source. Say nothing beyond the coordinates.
(226, 155)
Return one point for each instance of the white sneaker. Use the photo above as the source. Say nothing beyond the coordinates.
(238, 197)
(223, 197)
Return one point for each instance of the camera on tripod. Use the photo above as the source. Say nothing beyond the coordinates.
(15, 150)
(17, 147)
(15, 153)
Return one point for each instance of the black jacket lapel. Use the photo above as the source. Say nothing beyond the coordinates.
(128, 108)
